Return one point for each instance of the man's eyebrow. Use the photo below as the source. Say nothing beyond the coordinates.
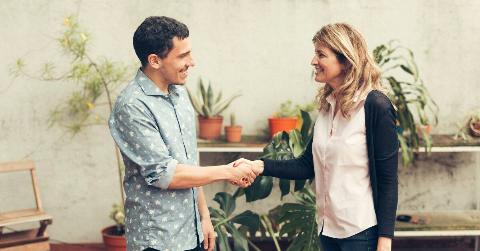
(185, 53)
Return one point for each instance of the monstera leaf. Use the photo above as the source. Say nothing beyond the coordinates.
(224, 222)
(299, 223)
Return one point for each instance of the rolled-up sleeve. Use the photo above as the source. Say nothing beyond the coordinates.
(135, 132)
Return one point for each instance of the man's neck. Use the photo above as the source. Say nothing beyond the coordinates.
(156, 78)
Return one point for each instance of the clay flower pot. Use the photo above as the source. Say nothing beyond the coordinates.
(233, 134)
(112, 241)
(210, 128)
(281, 124)
(424, 128)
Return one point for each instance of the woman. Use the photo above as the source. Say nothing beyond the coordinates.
(353, 152)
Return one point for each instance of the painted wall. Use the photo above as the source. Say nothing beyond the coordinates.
(260, 48)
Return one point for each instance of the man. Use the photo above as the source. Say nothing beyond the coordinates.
(153, 124)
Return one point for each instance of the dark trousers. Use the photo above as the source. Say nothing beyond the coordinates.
(199, 248)
(363, 241)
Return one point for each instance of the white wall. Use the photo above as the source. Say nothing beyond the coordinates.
(260, 48)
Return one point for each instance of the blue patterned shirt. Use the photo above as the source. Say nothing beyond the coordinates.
(155, 132)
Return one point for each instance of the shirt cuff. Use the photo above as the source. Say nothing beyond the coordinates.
(166, 175)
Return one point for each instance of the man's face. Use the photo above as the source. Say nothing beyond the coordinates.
(174, 67)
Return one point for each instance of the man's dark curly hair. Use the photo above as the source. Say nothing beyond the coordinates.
(155, 36)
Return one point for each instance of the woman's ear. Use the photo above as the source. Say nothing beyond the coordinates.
(154, 61)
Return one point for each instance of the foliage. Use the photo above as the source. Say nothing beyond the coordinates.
(232, 120)
(224, 222)
(299, 221)
(473, 118)
(287, 109)
(118, 215)
(283, 146)
(409, 95)
(95, 81)
(211, 105)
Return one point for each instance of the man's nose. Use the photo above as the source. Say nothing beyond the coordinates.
(192, 62)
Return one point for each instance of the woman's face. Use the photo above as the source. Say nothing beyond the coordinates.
(327, 67)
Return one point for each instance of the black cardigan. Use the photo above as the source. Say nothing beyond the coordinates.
(382, 147)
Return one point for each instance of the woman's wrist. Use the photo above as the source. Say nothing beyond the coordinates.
(259, 166)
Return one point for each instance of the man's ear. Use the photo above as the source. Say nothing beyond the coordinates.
(154, 61)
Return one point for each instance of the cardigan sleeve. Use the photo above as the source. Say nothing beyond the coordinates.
(300, 168)
(385, 150)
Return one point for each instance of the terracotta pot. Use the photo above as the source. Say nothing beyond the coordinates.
(113, 242)
(474, 128)
(281, 124)
(233, 134)
(210, 128)
(425, 128)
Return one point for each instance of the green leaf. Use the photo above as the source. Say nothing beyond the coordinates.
(226, 202)
(299, 184)
(260, 189)
(224, 105)
(248, 219)
(196, 105)
(306, 126)
(296, 143)
(406, 69)
(219, 97)
(203, 93)
(299, 222)
(222, 240)
(284, 187)
(209, 100)
(240, 242)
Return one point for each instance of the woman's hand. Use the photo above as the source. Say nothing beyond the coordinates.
(384, 244)
(257, 165)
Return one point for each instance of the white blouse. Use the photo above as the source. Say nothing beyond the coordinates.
(342, 179)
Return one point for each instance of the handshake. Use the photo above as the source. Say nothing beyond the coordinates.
(245, 171)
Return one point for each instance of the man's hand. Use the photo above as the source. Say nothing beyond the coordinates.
(384, 244)
(242, 175)
(208, 234)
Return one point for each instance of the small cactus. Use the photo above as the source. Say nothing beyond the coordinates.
(232, 120)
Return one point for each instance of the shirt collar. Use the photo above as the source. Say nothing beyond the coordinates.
(357, 97)
(150, 88)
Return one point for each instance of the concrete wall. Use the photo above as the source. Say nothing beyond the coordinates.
(260, 48)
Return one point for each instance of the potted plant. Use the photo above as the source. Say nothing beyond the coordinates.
(233, 133)
(113, 236)
(96, 80)
(285, 119)
(474, 124)
(417, 112)
(470, 127)
(209, 107)
(296, 221)
(288, 117)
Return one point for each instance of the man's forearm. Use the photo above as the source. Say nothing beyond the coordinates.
(202, 205)
(187, 176)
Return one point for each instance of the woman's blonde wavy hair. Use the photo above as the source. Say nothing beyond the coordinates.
(361, 72)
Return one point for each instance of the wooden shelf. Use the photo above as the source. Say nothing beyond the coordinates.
(255, 143)
(24, 216)
(440, 223)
